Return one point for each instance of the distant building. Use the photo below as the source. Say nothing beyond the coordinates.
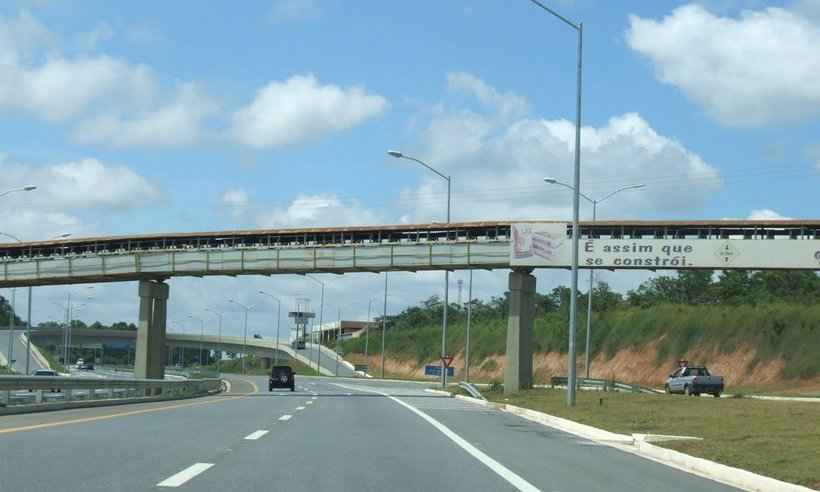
(350, 329)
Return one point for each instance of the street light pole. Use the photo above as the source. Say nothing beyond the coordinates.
(384, 320)
(594, 203)
(219, 340)
(579, 28)
(399, 155)
(467, 343)
(321, 320)
(278, 322)
(245, 339)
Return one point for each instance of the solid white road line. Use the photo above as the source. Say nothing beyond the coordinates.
(285, 417)
(510, 476)
(185, 475)
(255, 435)
(300, 408)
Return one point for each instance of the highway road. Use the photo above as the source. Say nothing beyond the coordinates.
(328, 435)
(19, 352)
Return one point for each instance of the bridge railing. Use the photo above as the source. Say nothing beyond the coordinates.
(34, 393)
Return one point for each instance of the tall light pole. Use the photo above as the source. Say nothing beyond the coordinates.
(201, 335)
(16, 190)
(245, 339)
(469, 316)
(384, 320)
(278, 322)
(219, 340)
(591, 271)
(321, 320)
(579, 28)
(28, 319)
(399, 155)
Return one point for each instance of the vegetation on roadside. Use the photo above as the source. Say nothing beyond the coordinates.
(774, 438)
(255, 366)
(5, 371)
(772, 312)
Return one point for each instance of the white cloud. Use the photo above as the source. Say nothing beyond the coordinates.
(294, 10)
(235, 198)
(301, 108)
(177, 123)
(319, 211)
(766, 214)
(498, 168)
(89, 40)
(86, 183)
(508, 105)
(757, 68)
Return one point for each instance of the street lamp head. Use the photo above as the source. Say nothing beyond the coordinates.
(63, 236)
(262, 292)
(395, 153)
(29, 188)
(550, 180)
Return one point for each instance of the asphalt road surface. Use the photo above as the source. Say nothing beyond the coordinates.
(19, 352)
(330, 434)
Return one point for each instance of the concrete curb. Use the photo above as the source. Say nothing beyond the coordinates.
(639, 445)
(438, 392)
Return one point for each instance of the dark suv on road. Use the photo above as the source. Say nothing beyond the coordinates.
(281, 377)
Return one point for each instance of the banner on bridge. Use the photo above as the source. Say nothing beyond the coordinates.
(548, 245)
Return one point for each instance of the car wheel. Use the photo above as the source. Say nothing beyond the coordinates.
(687, 390)
(667, 389)
(293, 388)
(716, 395)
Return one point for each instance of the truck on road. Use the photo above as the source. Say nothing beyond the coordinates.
(692, 380)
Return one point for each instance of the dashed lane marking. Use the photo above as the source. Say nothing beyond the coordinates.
(309, 402)
(300, 408)
(185, 475)
(255, 435)
(285, 417)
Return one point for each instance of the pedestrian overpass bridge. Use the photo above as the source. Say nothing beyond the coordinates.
(151, 259)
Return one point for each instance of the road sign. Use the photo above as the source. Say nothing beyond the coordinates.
(447, 360)
(435, 370)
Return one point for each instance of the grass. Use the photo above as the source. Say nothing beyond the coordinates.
(777, 439)
(52, 360)
(789, 332)
(6, 371)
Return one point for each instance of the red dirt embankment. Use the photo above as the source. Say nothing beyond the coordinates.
(636, 366)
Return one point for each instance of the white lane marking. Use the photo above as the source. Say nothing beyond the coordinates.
(185, 475)
(348, 394)
(510, 476)
(285, 417)
(309, 402)
(300, 408)
(313, 398)
(255, 435)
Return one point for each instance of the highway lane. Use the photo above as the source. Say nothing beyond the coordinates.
(19, 352)
(329, 435)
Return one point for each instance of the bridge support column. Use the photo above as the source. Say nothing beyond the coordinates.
(518, 370)
(267, 362)
(149, 361)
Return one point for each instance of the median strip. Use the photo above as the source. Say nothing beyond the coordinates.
(256, 435)
(185, 475)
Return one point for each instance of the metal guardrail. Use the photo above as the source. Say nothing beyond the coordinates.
(26, 391)
(469, 388)
(603, 384)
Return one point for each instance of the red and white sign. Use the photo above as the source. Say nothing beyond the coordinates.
(447, 360)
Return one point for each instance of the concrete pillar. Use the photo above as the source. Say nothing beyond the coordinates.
(267, 362)
(149, 360)
(518, 370)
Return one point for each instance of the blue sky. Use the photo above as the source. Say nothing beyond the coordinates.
(156, 116)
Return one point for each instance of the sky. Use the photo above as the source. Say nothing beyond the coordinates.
(141, 117)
